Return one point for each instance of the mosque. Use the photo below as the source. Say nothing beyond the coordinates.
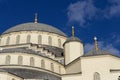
(37, 51)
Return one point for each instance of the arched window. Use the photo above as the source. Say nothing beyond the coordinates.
(13, 79)
(52, 67)
(59, 42)
(50, 41)
(20, 60)
(39, 39)
(59, 69)
(28, 38)
(42, 63)
(96, 76)
(8, 41)
(0, 41)
(7, 59)
(118, 77)
(17, 39)
(32, 61)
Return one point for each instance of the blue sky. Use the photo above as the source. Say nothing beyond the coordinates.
(91, 18)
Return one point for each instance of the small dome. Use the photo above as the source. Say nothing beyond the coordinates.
(34, 27)
(99, 52)
(72, 39)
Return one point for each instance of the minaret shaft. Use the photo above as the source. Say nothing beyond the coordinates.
(96, 44)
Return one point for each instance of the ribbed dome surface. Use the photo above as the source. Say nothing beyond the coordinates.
(34, 27)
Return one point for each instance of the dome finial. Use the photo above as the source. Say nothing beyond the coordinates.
(36, 18)
(73, 32)
(96, 44)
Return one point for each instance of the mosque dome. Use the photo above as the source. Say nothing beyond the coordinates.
(35, 27)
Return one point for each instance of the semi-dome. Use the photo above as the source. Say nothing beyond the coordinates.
(34, 27)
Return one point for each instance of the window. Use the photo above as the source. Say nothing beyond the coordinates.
(59, 69)
(31, 61)
(20, 60)
(0, 41)
(96, 76)
(52, 67)
(50, 41)
(28, 38)
(8, 41)
(8, 59)
(17, 39)
(39, 39)
(59, 43)
(13, 79)
(42, 64)
(119, 78)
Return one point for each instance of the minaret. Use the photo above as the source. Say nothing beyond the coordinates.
(73, 31)
(36, 18)
(96, 44)
(73, 48)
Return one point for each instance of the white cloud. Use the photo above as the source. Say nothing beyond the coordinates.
(81, 12)
(103, 46)
(114, 9)
(112, 49)
(116, 38)
(88, 47)
(85, 11)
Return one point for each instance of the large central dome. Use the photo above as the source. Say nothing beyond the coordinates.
(34, 27)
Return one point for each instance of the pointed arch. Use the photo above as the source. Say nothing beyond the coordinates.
(28, 38)
(96, 76)
(50, 40)
(17, 39)
(20, 60)
(39, 39)
(8, 58)
(8, 41)
(59, 43)
(32, 61)
(42, 63)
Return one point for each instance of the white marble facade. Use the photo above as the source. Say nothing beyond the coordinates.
(30, 53)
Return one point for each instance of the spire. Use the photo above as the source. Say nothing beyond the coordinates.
(73, 32)
(36, 18)
(96, 44)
